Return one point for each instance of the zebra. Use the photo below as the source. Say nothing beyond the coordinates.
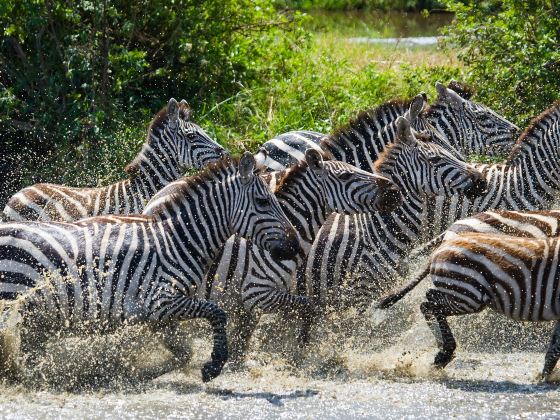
(99, 273)
(515, 276)
(466, 126)
(528, 181)
(308, 193)
(174, 144)
(364, 251)
(409, 157)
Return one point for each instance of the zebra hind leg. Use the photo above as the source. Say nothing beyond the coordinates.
(553, 353)
(435, 312)
(245, 325)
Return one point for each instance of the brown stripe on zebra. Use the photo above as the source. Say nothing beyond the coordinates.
(174, 144)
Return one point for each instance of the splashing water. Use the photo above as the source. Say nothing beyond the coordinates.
(376, 364)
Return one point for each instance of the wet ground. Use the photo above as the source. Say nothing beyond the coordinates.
(338, 377)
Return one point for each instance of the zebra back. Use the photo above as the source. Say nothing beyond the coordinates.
(174, 144)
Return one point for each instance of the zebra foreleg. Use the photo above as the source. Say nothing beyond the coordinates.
(183, 308)
(435, 311)
(553, 353)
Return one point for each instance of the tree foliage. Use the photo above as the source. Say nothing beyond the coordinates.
(72, 70)
(512, 51)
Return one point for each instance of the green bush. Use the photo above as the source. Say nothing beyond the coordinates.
(512, 50)
(73, 72)
(385, 5)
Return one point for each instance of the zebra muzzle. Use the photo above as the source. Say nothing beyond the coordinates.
(284, 248)
(388, 198)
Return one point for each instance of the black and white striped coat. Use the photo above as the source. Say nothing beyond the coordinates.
(464, 125)
(245, 277)
(528, 181)
(174, 144)
(353, 259)
(517, 277)
(102, 272)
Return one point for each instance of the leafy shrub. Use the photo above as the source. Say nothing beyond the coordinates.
(512, 50)
(73, 72)
(386, 5)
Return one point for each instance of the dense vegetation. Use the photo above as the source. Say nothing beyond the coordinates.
(514, 47)
(80, 79)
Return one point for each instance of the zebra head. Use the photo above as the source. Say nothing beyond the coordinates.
(350, 190)
(195, 149)
(472, 127)
(427, 168)
(256, 214)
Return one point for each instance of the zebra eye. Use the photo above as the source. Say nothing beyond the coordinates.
(345, 176)
(262, 201)
(433, 159)
(191, 135)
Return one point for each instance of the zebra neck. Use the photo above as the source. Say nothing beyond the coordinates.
(527, 184)
(157, 167)
(306, 212)
(197, 234)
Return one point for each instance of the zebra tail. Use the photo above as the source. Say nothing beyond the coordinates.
(427, 247)
(393, 298)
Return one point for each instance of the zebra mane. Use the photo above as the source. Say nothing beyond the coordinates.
(384, 156)
(158, 123)
(177, 190)
(365, 119)
(529, 132)
(464, 90)
(290, 175)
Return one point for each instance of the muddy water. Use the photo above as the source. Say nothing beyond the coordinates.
(356, 368)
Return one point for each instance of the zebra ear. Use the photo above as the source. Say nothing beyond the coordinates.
(314, 160)
(246, 167)
(404, 132)
(186, 111)
(173, 110)
(416, 107)
(449, 96)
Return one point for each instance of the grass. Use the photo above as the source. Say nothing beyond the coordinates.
(326, 82)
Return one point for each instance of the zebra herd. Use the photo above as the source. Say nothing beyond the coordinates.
(310, 223)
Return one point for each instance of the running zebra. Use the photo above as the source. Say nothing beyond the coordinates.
(174, 144)
(528, 181)
(100, 273)
(517, 277)
(308, 194)
(464, 125)
(355, 258)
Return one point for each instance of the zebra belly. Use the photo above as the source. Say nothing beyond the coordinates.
(515, 278)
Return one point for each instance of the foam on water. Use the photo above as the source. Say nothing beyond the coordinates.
(375, 364)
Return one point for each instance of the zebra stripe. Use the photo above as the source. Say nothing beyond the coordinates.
(517, 277)
(174, 144)
(529, 181)
(308, 193)
(99, 273)
(463, 125)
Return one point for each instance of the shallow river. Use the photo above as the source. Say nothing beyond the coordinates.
(350, 371)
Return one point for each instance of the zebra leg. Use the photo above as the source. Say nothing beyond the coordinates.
(553, 352)
(183, 308)
(435, 311)
(246, 322)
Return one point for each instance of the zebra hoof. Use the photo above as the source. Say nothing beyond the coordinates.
(211, 370)
(442, 359)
